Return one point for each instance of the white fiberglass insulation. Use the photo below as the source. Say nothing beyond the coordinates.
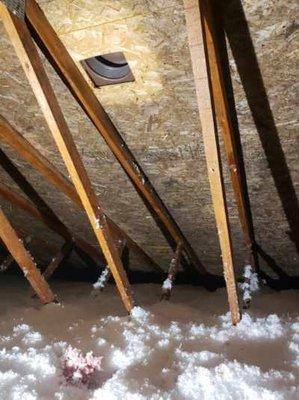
(182, 349)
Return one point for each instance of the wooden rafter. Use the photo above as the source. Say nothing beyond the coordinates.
(68, 70)
(61, 256)
(220, 100)
(23, 233)
(25, 149)
(38, 79)
(209, 132)
(172, 272)
(40, 210)
(9, 259)
(43, 212)
(48, 215)
(16, 248)
(105, 275)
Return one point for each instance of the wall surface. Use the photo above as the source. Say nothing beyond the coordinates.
(158, 117)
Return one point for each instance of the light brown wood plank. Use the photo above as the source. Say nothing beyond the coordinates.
(62, 254)
(208, 124)
(16, 248)
(34, 70)
(49, 217)
(223, 115)
(9, 259)
(13, 197)
(172, 272)
(105, 275)
(25, 149)
(94, 110)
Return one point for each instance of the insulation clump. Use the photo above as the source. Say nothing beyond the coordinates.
(250, 284)
(78, 369)
(102, 280)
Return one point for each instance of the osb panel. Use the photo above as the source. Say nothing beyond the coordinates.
(158, 117)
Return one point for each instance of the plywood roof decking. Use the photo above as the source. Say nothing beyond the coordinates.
(158, 117)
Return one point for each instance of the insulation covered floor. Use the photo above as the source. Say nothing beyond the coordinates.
(182, 349)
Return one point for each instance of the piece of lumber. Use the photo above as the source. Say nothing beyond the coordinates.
(221, 104)
(209, 132)
(38, 79)
(73, 78)
(9, 259)
(105, 274)
(16, 248)
(22, 233)
(24, 148)
(48, 215)
(172, 272)
(61, 256)
(13, 197)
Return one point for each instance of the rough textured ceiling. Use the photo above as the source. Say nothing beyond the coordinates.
(158, 117)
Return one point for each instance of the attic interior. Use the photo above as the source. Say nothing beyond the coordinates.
(149, 226)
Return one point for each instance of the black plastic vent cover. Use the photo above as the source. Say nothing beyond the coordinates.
(108, 69)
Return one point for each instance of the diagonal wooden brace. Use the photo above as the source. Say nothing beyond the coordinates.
(66, 67)
(61, 256)
(25, 149)
(9, 259)
(105, 275)
(172, 272)
(38, 79)
(16, 248)
(41, 210)
(220, 100)
(201, 74)
(63, 253)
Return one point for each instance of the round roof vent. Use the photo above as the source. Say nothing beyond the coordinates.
(108, 69)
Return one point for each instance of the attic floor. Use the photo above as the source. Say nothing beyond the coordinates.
(182, 349)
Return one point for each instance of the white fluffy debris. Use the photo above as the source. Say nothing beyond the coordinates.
(167, 284)
(165, 351)
(294, 343)
(250, 284)
(270, 328)
(230, 380)
(140, 315)
(78, 369)
(101, 282)
(97, 222)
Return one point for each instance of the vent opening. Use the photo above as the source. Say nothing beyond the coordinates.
(108, 69)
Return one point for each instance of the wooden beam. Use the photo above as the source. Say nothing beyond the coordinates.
(41, 210)
(14, 139)
(9, 259)
(105, 274)
(224, 118)
(12, 196)
(209, 132)
(94, 110)
(172, 272)
(16, 248)
(38, 79)
(22, 233)
(48, 215)
(62, 254)
(10, 136)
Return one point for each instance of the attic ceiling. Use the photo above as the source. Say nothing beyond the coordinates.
(157, 115)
